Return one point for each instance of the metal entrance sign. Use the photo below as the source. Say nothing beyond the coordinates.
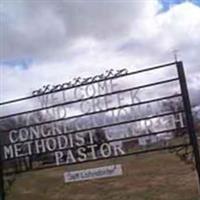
(115, 114)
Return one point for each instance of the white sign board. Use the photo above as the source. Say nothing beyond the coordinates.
(94, 173)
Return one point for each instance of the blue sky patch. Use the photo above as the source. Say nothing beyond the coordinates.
(168, 3)
(23, 63)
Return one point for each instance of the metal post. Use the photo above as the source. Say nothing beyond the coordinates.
(2, 192)
(189, 117)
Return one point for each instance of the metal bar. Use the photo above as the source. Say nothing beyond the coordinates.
(109, 141)
(106, 126)
(111, 157)
(2, 191)
(131, 73)
(88, 98)
(115, 124)
(93, 113)
(189, 117)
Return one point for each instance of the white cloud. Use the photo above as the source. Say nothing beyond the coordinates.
(84, 38)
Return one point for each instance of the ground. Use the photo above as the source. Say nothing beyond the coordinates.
(153, 176)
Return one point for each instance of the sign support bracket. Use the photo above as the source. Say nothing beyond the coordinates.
(189, 117)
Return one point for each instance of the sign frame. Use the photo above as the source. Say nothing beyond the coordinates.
(110, 75)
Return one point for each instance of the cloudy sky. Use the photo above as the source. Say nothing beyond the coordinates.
(52, 41)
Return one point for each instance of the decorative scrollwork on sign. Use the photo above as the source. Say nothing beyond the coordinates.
(122, 72)
(78, 81)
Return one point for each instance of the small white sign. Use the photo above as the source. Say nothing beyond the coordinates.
(94, 173)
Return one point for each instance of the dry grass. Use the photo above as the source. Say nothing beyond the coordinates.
(156, 176)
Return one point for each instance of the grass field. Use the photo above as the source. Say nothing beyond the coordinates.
(153, 176)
